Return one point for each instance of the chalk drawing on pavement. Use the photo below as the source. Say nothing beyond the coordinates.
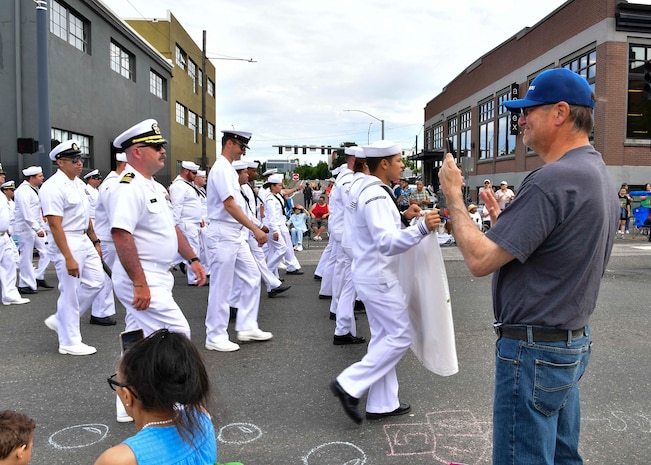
(619, 421)
(239, 433)
(447, 436)
(344, 453)
(78, 436)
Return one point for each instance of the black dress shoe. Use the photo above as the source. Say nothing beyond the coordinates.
(333, 316)
(401, 410)
(347, 339)
(324, 297)
(27, 290)
(277, 290)
(102, 321)
(348, 402)
(299, 271)
(42, 283)
(359, 306)
(317, 277)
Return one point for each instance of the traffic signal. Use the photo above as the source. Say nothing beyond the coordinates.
(647, 79)
(27, 145)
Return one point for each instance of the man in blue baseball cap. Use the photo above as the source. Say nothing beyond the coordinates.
(547, 252)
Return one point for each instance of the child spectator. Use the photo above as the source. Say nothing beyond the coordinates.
(16, 438)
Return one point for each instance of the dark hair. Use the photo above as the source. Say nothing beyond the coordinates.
(166, 370)
(15, 430)
(358, 167)
(374, 162)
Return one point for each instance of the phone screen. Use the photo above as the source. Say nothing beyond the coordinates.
(129, 338)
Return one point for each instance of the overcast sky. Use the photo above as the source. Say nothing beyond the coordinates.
(316, 58)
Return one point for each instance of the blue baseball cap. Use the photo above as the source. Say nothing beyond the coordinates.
(553, 86)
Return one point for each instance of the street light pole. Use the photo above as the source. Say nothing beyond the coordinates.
(368, 136)
(374, 117)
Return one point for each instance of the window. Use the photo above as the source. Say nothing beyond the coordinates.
(505, 141)
(192, 72)
(585, 65)
(180, 113)
(639, 103)
(437, 136)
(211, 131)
(452, 134)
(157, 85)
(211, 88)
(192, 124)
(428, 140)
(181, 58)
(465, 142)
(62, 135)
(200, 125)
(122, 61)
(486, 115)
(200, 78)
(69, 26)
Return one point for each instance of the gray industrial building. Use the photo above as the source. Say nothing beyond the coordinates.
(103, 78)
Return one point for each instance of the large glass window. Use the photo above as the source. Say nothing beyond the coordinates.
(638, 115)
(180, 113)
(69, 26)
(486, 129)
(437, 136)
(192, 72)
(62, 135)
(157, 85)
(452, 134)
(192, 124)
(123, 62)
(181, 58)
(465, 141)
(505, 141)
(211, 88)
(211, 131)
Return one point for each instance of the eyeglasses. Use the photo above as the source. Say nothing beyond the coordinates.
(112, 382)
(524, 112)
(193, 172)
(242, 147)
(72, 160)
(156, 147)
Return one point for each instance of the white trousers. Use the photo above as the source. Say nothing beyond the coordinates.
(8, 269)
(270, 279)
(191, 231)
(388, 318)
(27, 242)
(345, 290)
(230, 258)
(163, 311)
(104, 304)
(75, 294)
(324, 269)
(290, 256)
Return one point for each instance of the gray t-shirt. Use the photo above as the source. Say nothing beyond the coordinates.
(560, 228)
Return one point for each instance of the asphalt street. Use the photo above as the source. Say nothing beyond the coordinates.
(272, 404)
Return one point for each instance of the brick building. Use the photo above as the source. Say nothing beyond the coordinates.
(606, 41)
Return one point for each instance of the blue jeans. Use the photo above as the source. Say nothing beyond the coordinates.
(536, 411)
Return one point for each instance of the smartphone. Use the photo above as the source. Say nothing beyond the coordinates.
(129, 338)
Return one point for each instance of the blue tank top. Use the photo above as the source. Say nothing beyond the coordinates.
(163, 445)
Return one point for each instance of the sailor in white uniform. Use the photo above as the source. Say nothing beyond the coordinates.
(229, 252)
(73, 247)
(145, 237)
(380, 235)
(187, 208)
(31, 233)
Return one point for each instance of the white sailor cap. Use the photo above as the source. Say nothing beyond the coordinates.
(240, 165)
(32, 171)
(275, 179)
(270, 171)
(352, 150)
(69, 148)
(189, 165)
(146, 132)
(121, 156)
(2, 171)
(8, 185)
(382, 148)
(241, 136)
(252, 164)
(92, 174)
(201, 173)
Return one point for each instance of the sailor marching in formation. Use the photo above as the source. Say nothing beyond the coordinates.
(124, 234)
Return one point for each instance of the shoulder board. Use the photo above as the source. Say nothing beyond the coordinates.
(127, 178)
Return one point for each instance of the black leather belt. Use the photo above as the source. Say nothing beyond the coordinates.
(538, 334)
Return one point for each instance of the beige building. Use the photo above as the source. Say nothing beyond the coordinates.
(187, 86)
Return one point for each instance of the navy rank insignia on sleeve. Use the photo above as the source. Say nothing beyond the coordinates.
(127, 178)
